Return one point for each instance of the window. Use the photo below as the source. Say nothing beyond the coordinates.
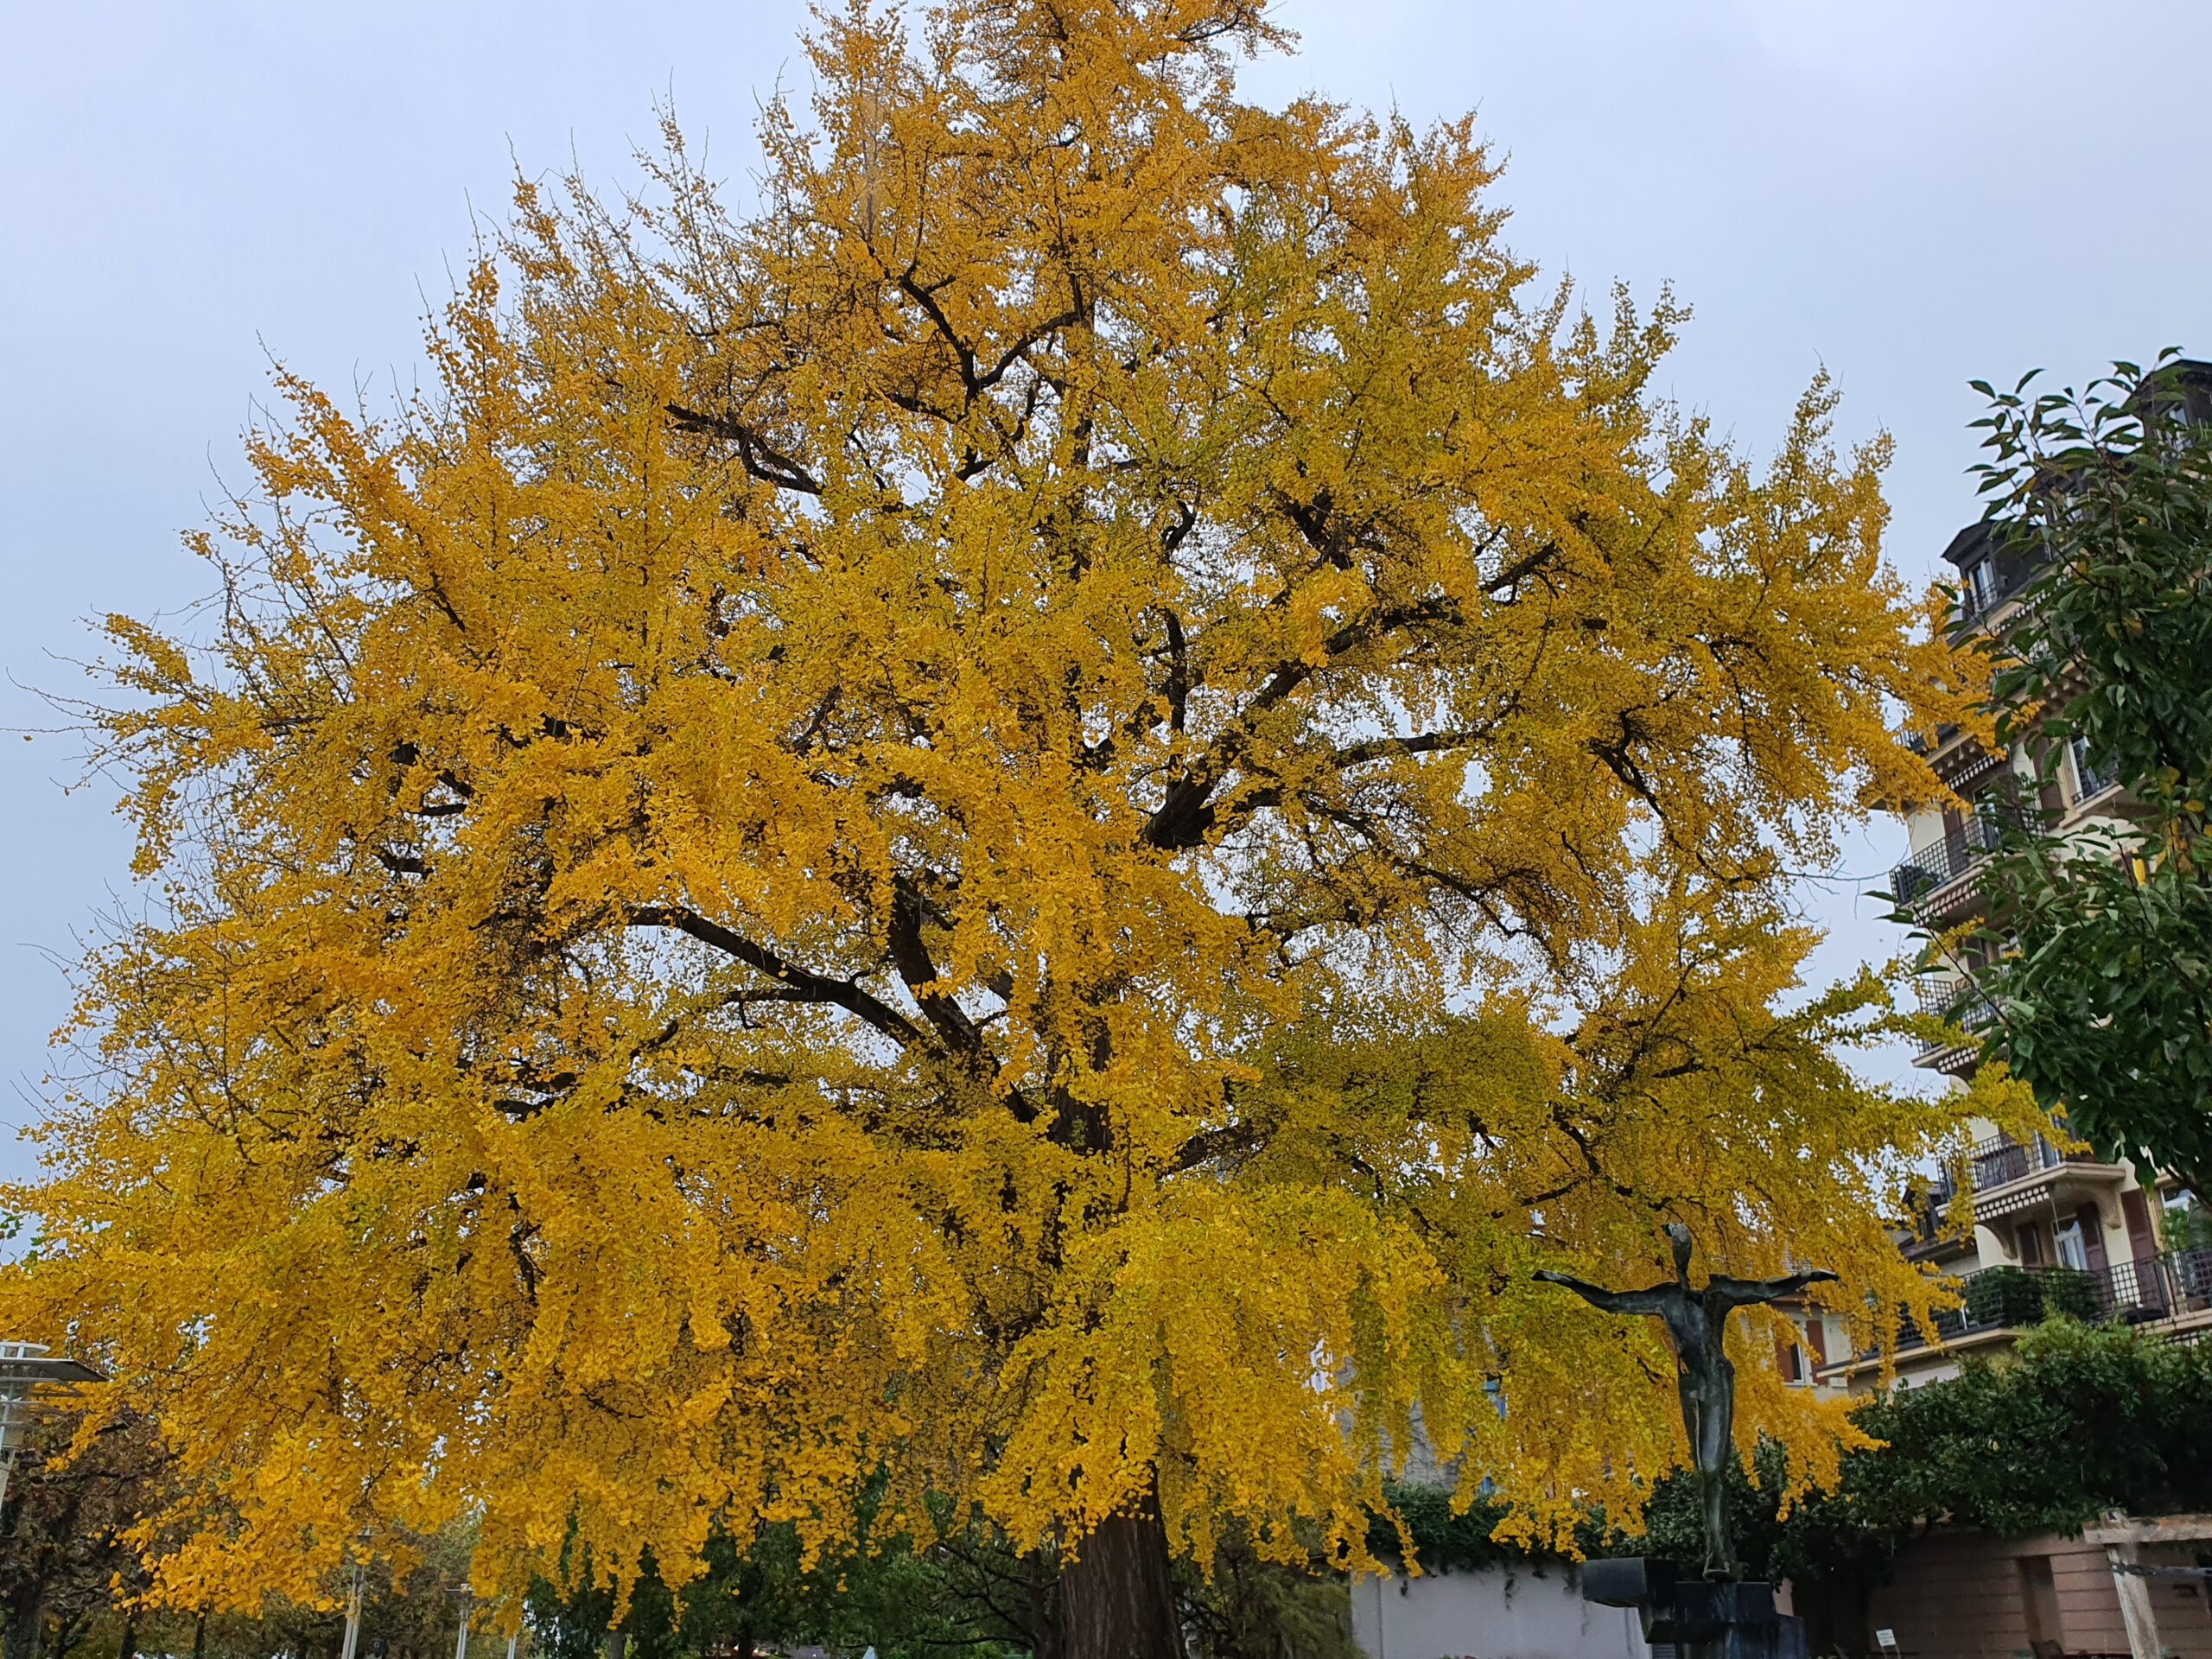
(2188, 1225)
(1985, 830)
(1981, 586)
(2088, 780)
(2072, 1247)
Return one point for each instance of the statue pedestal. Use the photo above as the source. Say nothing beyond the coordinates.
(1696, 1618)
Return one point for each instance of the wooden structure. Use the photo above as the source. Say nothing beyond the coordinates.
(2146, 1554)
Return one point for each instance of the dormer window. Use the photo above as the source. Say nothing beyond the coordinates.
(1981, 586)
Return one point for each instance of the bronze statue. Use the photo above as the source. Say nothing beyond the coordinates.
(1697, 1320)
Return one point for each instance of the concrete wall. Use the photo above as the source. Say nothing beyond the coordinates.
(1519, 1612)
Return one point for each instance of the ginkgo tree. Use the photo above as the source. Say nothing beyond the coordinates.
(1013, 831)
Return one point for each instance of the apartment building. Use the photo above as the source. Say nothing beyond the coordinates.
(2054, 1232)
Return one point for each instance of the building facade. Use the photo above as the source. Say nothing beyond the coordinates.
(2053, 1230)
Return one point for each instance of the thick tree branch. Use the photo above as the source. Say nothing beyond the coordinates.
(818, 987)
(964, 357)
(1186, 815)
(1384, 748)
(1207, 1145)
(911, 958)
(759, 458)
(1520, 570)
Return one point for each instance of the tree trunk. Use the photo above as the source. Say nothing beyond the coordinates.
(128, 1648)
(1117, 1600)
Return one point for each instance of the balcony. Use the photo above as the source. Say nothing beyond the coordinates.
(1956, 1001)
(1927, 1233)
(2001, 1161)
(1996, 565)
(2157, 1287)
(2008, 1175)
(2133, 1293)
(1932, 881)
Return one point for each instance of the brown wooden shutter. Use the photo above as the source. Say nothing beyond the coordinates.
(2142, 1243)
(2093, 1234)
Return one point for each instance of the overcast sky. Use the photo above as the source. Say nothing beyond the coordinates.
(1913, 193)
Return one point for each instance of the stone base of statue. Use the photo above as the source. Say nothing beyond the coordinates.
(1693, 1618)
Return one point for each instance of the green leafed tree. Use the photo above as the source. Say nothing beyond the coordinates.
(2100, 940)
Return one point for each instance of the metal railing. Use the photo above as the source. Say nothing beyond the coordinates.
(2000, 1161)
(2132, 1293)
(1955, 1000)
(1917, 881)
(2156, 1287)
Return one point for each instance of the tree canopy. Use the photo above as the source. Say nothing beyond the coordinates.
(1023, 821)
(2099, 940)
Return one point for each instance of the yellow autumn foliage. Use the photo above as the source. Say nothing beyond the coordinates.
(1033, 817)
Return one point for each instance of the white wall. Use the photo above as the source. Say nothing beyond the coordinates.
(1520, 1611)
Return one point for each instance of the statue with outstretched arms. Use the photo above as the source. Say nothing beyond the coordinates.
(1697, 1321)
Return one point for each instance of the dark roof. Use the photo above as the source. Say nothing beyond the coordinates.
(2191, 377)
(2190, 370)
(1968, 545)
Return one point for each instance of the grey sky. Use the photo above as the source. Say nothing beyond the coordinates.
(1912, 192)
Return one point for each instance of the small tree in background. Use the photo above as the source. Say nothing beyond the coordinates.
(2102, 939)
(67, 1560)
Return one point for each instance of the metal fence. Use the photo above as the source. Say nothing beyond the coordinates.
(1918, 881)
(2132, 1293)
(1999, 1161)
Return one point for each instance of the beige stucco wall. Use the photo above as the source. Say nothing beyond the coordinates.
(1962, 1596)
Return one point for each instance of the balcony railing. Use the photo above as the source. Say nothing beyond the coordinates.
(1919, 880)
(2131, 1293)
(1955, 1000)
(2002, 1172)
(1993, 1164)
(1928, 1210)
(2000, 1161)
(2157, 1287)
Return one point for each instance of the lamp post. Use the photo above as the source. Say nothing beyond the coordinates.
(24, 1367)
(359, 1555)
(352, 1644)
